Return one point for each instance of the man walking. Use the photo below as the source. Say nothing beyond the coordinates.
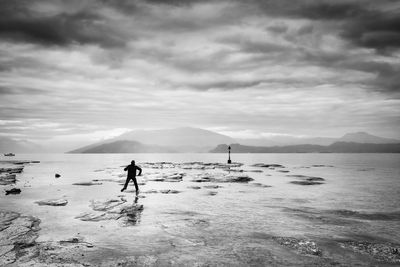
(132, 175)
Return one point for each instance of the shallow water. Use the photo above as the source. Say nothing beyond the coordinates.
(359, 200)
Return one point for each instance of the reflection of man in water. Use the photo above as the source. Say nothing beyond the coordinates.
(132, 175)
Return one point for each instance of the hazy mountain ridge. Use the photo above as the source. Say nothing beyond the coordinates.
(125, 146)
(337, 147)
(194, 140)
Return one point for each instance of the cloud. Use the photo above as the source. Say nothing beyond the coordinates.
(74, 68)
(21, 24)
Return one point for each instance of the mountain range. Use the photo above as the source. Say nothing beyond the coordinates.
(195, 140)
(188, 139)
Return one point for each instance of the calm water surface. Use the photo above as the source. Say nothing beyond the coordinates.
(223, 223)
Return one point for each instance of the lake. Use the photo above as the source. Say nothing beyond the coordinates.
(193, 210)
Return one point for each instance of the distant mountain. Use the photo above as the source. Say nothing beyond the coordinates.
(125, 147)
(184, 139)
(337, 147)
(18, 146)
(363, 137)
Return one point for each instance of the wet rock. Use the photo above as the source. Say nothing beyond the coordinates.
(173, 177)
(57, 175)
(169, 191)
(258, 171)
(17, 233)
(307, 178)
(132, 213)
(13, 191)
(260, 185)
(152, 191)
(106, 205)
(96, 217)
(263, 165)
(301, 246)
(372, 216)
(11, 170)
(52, 202)
(305, 183)
(385, 252)
(321, 165)
(212, 186)
(284, 171)
(194, 187)
(76, 240)
(7, 179)
(212, 193)
(237, 179)
(221, 178)
(88, 183)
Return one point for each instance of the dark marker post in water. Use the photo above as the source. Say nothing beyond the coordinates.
(229, 153)
(132, 175)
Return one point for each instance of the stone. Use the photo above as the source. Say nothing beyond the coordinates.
(52, 202)
(301, 246)
(7, 179)
(384, 252)
(263, 165)
(88, 183)
(13, 191)
(305, 183)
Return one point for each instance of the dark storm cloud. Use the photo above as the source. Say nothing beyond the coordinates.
(18, 23)
(378, 30)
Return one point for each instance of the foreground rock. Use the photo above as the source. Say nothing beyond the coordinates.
(13, 191)
(263, 165)
(305, 183)
(7, 179)
(221, 178)
(11, 170)
(306, 180)
(17, 234)
(113, 209)
(87, 183)
(52, 202)
(381, 252)
(301, 246)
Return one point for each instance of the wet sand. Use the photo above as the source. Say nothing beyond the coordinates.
(187, 214)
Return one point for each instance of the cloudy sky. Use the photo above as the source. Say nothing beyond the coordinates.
(87, 70)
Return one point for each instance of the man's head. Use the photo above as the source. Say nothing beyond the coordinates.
(132, 162)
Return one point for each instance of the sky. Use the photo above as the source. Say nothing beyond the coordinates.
(80, 71)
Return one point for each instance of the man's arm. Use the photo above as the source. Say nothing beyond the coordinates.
(126, 168)
(140, 170)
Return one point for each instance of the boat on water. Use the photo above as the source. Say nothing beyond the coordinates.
(9, 154)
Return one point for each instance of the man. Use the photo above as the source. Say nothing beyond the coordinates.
(132, 175)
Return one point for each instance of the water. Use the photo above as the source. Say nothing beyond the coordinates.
(359, 199)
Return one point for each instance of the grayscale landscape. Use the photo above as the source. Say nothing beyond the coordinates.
(199, 133)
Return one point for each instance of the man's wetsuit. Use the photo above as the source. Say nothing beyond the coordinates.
(132, 175)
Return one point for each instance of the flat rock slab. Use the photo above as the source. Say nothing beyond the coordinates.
(114, 209)
(263, 165)
(87, 183)
(16, 233)
(52, 202)
(7, 179)
(260, 185)
(301, 246)
(305, 183)
(385, 252)
(13, 191)
(11, 170)
(221, 178)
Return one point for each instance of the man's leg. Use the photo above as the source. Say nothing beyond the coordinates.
(135, 182)
(126, 184)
